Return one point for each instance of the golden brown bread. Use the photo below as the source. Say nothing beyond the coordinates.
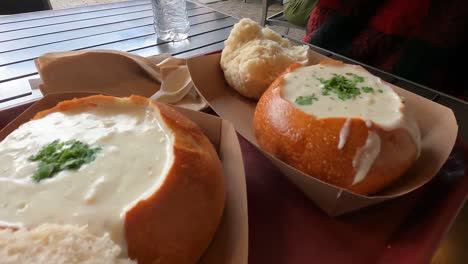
(177, 222)
(309, 144)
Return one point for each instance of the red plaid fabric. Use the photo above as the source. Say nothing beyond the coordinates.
(420, 40)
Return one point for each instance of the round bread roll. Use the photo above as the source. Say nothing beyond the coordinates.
(129, 167)
(339, 124)
(253, 57)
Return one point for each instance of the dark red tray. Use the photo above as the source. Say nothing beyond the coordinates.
(286, 227)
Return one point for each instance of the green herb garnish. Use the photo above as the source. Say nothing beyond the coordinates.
(380, 90)
(356, 77)
(368, 89)
(306, 100)
(58, 156)
(343, 87)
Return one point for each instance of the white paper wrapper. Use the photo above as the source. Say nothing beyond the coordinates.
(176, 84)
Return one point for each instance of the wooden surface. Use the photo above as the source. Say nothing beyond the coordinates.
(128, 26)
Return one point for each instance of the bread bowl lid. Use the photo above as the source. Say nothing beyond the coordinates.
(437, 123)
(230, 243)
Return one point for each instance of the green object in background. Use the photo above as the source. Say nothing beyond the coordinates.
(297, 11)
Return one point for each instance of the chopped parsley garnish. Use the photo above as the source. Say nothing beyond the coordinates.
(367, 89)
(306, 100)
(356, 77)
(380, 90)
(343, 87)
(58, 156)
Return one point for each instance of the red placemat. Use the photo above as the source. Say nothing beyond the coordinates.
(286, 227)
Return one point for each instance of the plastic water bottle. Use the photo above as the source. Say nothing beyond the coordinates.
(170, 19)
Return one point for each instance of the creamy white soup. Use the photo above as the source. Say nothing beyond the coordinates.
(133, 151)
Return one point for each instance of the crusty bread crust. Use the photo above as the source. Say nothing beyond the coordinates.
(176, 223)
(310, 144)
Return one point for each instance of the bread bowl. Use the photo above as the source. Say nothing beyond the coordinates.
(339, 124)
(155, 183)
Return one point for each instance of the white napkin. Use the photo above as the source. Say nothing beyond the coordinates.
(176, 84)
